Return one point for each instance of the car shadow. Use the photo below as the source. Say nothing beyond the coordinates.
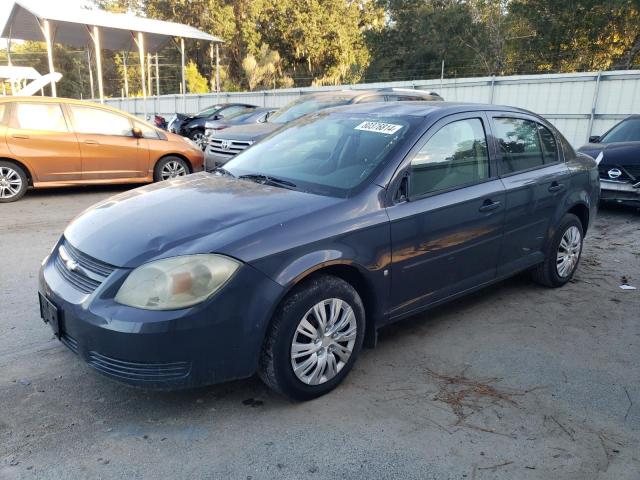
(42, 193)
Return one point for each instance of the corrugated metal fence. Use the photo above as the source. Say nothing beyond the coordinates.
(578, 104)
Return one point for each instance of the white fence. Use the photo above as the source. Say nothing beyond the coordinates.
(578, 104)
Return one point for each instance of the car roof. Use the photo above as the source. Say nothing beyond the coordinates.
(66, 101)
(353, 93)
(425, 108)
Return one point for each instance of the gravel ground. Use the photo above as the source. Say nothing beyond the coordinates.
(514, 382)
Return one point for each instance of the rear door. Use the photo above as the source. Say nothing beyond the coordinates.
(109, 149)
(38, 135)
(446, 235)
(536, 181)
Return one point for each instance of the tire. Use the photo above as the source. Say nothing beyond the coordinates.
(13, 182)
(170, 167)
(197, 136)
(550, 273)
(276, 367)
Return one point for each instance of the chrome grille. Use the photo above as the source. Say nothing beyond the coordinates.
(228, 148)
(83, 272)
(628, 173)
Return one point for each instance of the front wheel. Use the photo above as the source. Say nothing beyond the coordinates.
(13, 182)
(563, 253)
(314, 339)
(198, 137)
(170, 167)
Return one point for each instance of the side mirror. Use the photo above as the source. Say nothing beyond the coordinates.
(217, 116)
(594, 139)
(137, 133)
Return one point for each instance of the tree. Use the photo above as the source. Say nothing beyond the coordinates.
(196, 83)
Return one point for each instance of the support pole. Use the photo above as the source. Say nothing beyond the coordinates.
(594, 104)
(217, 71)
(126, 73)
(46, 30)
(93, 91)
(149, 80)
(140, 43)
(157, 85)
(157, 76)
(441, 76)
(184, 82)
(94, 33)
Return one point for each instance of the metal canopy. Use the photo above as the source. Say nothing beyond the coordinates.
(70, 27)
(37, 20)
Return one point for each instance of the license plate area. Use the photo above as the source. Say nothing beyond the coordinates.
(50, 314)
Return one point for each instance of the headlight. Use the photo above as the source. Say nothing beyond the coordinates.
(176, 282)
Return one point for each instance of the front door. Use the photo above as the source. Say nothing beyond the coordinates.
(446, 234)
(109, 149)
(536, 181)
(38, 135)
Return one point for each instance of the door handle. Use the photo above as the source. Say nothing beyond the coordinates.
(489, 205)
(91, 142)
(20, 135)
(556, 187)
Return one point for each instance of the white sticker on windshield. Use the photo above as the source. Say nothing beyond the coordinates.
(378, 127)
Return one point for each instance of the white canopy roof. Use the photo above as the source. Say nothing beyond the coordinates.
(70, 26)
(18, 73)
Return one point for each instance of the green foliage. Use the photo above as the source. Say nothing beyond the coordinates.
(281, 43)
(196, 83)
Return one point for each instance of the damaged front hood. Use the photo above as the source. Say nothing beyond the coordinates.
(200, 213)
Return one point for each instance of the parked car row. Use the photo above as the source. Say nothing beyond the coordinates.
(220, 147)
(52, 142)
(302, 246)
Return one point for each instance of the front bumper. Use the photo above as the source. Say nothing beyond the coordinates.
(216, 341)
(619, 191)
(213, 160)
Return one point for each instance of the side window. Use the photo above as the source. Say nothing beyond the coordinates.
(229, 111)
(549, 145)
(519, 144)
(147, 130)
(455, 155)
(40, 116)
(90, 120)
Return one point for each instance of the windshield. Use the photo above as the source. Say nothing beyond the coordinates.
(304, 105)
(625, 131)
(207, 112)
(329, 153)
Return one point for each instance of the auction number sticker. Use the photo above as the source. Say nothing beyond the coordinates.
(378, 127)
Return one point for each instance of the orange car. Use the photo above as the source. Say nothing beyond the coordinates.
(53, 142)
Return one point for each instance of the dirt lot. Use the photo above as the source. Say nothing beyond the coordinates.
(515, 382)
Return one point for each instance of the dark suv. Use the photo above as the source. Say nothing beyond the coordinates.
(222, 146)
(344, 221)
(617, 153)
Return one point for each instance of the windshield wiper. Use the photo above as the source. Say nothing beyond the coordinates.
(268, 180)
(223, 171)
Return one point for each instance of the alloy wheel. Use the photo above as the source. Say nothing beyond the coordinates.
(323, 341)
(198, 138)
(173, 169)
(568, 251)
(10, 182)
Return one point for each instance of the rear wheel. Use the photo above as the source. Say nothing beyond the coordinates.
(562, 255)
(170, 167)
(13, 182)
(314, 340)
